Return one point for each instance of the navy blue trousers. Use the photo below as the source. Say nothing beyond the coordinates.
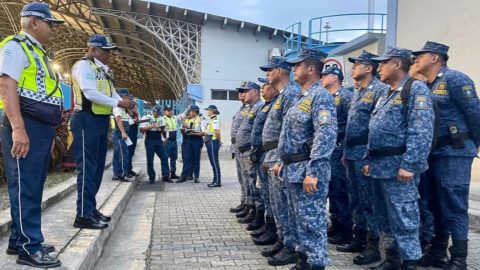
(90, 139)
(212, 151)
(25, 179)
(133, 135)
(156, 147)
(172, 153)
(184, 150)
(120, 154)
(192, 156)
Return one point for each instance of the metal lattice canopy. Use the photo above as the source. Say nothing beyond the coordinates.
(159, 46)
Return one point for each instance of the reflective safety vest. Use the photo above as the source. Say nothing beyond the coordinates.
(155, 133)
(210, 130)
(104, 85)
(125, 120)
(39, 89)
(171, 128)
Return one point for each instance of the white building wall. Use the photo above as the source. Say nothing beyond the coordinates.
(228, 58)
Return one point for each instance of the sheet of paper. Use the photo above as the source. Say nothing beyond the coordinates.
(128, 142)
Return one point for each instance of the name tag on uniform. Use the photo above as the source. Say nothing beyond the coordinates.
(368, 98)
(278, 104)
(420, 102)
(325, 117)
(265, 109)
(397, 100)
(441, 89)
(305, 106)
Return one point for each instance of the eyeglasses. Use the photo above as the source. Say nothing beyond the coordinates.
(51, 24)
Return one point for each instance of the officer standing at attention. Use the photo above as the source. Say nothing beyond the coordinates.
(154, 143)
(119, 136)
(195, 134)
(240, 210)
(278, 74)
(450, 163)
(337, 193)
(360, 188)
(213, 142)
(251, 92)
(27, 129)
(95, 97)
(133, 135)
(399, 140)
(171, 139)
(306, 145)
(269, 94)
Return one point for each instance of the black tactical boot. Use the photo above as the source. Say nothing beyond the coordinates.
(409, 265)
(250, 217)
(357, 245)
(189, 177)
(458, 252)
(271, 251)
(270, 237)
(173, 175)
(392, 262)
(370, 254)
(263, 230)
(301, 262)
(425, 246)
(238, 208)
(285, 256)
(344, 236)
(258, 222)
(166, 180)
(437, 255)
(244, 212)
(334, 227)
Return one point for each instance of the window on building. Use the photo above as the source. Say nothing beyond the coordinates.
(233, 95)
(219, 94)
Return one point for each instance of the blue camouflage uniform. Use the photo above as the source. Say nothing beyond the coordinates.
(338, 192)
(312, 116)
(360, 190)
(236, 122)
(451, 162)
(400, 140)
(244, 144)
(270, 137)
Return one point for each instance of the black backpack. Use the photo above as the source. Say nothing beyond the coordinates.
(405, 95)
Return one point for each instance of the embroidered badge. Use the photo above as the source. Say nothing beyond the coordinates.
(468, 91)
(441, 89)
(368, 98)
(250, 114)
(244, 112)
(420, 102)
(337, 100)
(90, 76)
(324, 117)
(397, 100)
(6, 52)
(305, 106)
(278, 104)
(265, 109)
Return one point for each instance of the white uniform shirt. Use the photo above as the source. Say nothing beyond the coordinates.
(153, 129)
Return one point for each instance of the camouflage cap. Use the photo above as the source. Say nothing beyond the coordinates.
(264, 80)
(247, 86)
(393, 52)
(308, 53)
(434, 47)
(365, 56)
(334, 71)
(276, 62)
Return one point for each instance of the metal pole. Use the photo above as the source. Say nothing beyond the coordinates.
(327, 27)
(371, 18)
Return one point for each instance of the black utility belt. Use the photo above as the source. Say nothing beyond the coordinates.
(234, 140)
(270, 145)
(340, 138)
(362, 140)
(295, 158)
(387, 151)
(457, 143)
(257, 154)
(244, 149)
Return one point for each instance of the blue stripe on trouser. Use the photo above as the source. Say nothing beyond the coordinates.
(120, 154)
(264, 190)
(90, 139)
(25, 179)
(339, 207)
(172, 153)
(184, 150)
(133, 135)
(156, 147)
(192, 156)
(212, 151)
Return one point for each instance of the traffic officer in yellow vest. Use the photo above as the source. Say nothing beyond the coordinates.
(95, 97)
(171, 139)
(213, 142)
(120, 128)
(32, 101)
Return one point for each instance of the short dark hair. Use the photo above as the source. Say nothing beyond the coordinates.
(406, 63)
(374, 66)
(443, 58)
(317, 64)
(215, 112)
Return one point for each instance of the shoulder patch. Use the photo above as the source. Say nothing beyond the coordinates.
(90, 76)
(6, 52)
(305, 105)
(468, 91)
(278, 104)
(337, 100)
(244, 112)
(265, 109)
(250, 114)
(324, 117)
(441, 89)
(420, 102)
(368, 98)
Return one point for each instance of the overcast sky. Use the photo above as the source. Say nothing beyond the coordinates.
(282, 13)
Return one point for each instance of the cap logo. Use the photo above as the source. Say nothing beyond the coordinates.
(244, 83)
(108, 40)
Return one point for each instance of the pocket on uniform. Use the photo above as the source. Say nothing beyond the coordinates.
(406, 209)
(457, 196)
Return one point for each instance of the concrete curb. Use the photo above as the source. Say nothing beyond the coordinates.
(50, 196)
(86, 247)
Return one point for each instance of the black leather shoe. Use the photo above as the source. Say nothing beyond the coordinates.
(250, 217)
(237, 209)
(301, 262)
(133, 173)
(316, 268)
(258, 222)
(181, 180)
(151, 180)
(370, 254)
(166, 180)
(197, 180)
(126, 179)
(214, 185)
(357, 245)
(411, 265)
(13, 250)
(271, 251)
(102, 217)
(285, 256)
(189, 177)
(260, 232)
(266, 239)
(391, 262)
(91, 222)
(39, 259)
(115, 178)
(344, 236)
(244, 212)
(174, 176)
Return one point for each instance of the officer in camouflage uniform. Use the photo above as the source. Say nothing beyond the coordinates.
(237, 120)
(337, 193)
(450, 163)
(278, 74)
(399, 140)
(306, 164)
(360, 190)
(251, 92)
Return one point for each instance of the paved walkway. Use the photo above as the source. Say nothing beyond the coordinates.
(188, 226)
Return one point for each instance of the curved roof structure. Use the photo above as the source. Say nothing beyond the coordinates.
(159, 46)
